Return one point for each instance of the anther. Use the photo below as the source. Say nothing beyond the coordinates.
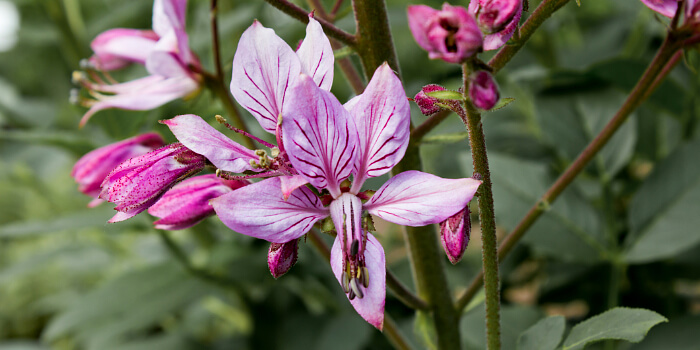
(345, 282)
(354, 287)
(364, 276)
(279, 120)
(86, 64)
(260, 152)
(275, 152)
(77, 77)
(351, 295)
(218, 172)
(74, 96)
(253, 164)
(220, 119)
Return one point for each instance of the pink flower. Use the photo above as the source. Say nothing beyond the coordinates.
(668, 8)
(498, 19)
(282, 256)
(454, 235)
(139, 182)
(187, 203)
(265, 68)
(172, 67)
(92, 168)
(327, 143)
(450, 34)
(483, 90)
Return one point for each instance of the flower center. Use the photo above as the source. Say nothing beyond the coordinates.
(346, 212)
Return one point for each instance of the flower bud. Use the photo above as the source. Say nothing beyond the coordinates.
(498, 19)
(282, 256)
(139, 182)
(483, 90)
(450, 34)
(494, 15)
(426, 103)
(187, 203)
(93, 167)
(454, 235)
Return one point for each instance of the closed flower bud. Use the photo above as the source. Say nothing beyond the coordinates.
(483, 90)
(93, 167)
(426, 103)
(139, 182)
(498, 19)
(282, 256)
(450, 34)
(454, 235)
(187, 203)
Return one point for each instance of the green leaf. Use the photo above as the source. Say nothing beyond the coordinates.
(76, 221)
(619, 323)
(570, 230)
(502, 103)
(663, 212)
(446, 138)
(544, 335)
(446, 95)
(515, 320)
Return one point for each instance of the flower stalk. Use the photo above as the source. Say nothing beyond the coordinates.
(487, 219)
(651, 78)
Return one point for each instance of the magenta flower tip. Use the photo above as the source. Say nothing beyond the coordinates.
(483, 90)
(282, 256)
(426, 103)
(454, 235)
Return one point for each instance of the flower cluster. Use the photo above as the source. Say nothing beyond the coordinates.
(325, 152)
(164, 51)
(455, 34)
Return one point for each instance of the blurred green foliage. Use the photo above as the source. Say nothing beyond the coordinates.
(625, 233)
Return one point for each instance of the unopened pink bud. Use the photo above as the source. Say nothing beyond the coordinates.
(139, 182)
(494, 15)
(282, 256)
(454, 234)
(187, 203)
(483, 90)
(450, 34)
(92, 168)
(426, 103)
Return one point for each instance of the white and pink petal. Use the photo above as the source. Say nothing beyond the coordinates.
(371, 305)
(320, 136)
(260, 211)
(316, 55)
(414, 198)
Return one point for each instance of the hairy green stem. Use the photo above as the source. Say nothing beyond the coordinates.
(301, 14)
(375, 46)
(487, 219)
(648, 81)
(541, 13)
(374, 42)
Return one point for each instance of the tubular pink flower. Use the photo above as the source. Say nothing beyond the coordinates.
(282, 256)
(92, 168)
(117, 48)
(454, 235)
(498, 19)
(483, 90)
(187, 203)
(450, 34)
(172, 67)
(139, 182)
(663, 7)
(327, 143)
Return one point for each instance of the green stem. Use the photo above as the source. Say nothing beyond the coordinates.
(649, 80)
(375, 46)
(374, 42)
(487, 219)
(541, 13)
(392, 333)
(429, 124)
